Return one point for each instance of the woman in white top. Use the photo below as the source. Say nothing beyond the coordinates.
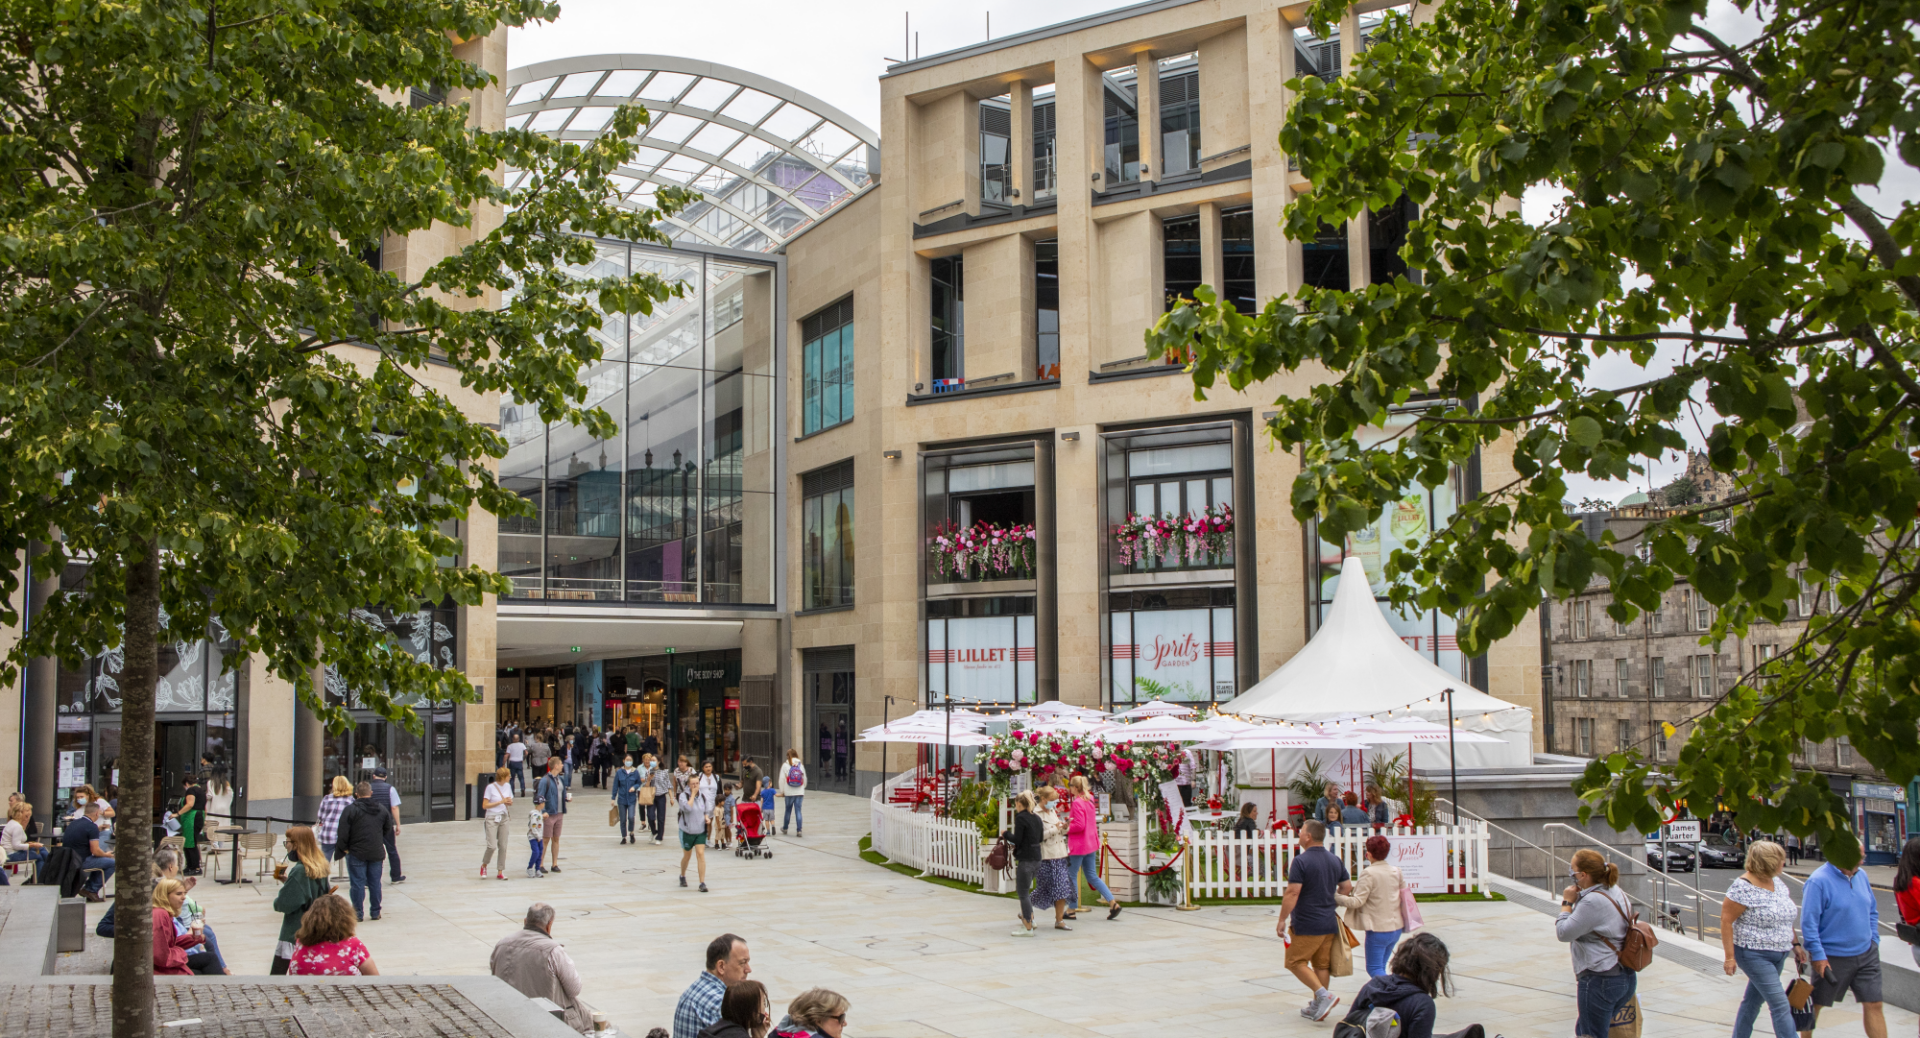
(14, 845)
(495, 801)
(791, 785)
(219, 797)
(1756, 933)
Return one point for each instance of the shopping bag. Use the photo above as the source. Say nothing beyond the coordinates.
(1626, 1020)
(1410, 919)
(1347, 934)
(613, 815)
(646, 796)
(1341, 963)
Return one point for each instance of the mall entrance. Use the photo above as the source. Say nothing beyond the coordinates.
(826, 691)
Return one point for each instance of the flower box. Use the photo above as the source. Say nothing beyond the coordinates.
(983, 551)
(1195, 539)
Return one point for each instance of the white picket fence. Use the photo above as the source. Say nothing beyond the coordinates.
(936, 846)
(1229, 865)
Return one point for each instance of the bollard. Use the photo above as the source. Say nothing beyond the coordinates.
(70, 925)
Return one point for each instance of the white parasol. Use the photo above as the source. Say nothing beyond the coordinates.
(1162, 729)
(922, 735)
(1156, 708)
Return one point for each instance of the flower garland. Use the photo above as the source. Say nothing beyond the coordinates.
(982, 550)
(1023, 750)
(1195, 536)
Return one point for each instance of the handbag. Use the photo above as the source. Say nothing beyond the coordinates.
(999, 856)
(1346, 934)
(1410, 918)
(1800, 999)
(1626, 1020)
(613, 814)
(1908, 932)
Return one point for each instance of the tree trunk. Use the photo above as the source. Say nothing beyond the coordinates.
(133, 821)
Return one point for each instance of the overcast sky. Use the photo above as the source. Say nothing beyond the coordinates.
(837, 50)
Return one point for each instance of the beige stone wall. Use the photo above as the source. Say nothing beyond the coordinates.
(1111, 292)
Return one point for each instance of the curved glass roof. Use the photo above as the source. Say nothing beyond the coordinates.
(769, 159)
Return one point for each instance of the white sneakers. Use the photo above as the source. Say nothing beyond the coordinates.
(1320, 1007)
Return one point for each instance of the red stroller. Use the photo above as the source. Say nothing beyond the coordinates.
(746, 832)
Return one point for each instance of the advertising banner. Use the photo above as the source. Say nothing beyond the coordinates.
(1422, 860)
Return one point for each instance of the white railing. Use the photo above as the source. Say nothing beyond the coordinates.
(936, 846)
(1229, 865)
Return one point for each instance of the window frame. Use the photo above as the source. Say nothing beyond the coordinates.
(1657, 676)
(814, 331)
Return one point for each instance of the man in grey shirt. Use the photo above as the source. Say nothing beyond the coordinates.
(537, 756)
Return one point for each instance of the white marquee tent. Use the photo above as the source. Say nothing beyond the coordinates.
(1355, 666)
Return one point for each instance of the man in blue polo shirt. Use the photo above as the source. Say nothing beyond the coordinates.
(1313, 877)
(82, 836)
(1840, 924)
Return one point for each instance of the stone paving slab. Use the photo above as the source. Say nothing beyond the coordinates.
(921, 961)
(255, 1010)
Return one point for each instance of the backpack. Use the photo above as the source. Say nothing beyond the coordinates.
(795, 776)
(1635, 950)
(1364, 1020)
(1000, 856)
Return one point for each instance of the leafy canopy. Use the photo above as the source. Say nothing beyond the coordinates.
(1712, 203)
(198, 359)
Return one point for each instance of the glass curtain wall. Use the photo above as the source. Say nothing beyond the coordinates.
(1413, 518)
(678, 505)
(826, 396)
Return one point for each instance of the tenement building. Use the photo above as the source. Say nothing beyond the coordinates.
(898, 444)
(1616, 686)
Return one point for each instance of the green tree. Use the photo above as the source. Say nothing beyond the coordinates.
(212, 399)
(1712, 204)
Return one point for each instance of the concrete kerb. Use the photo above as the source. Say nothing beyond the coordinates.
(28, 937)
(1900, 977)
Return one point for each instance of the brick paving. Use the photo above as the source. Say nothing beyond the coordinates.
(287, 1010)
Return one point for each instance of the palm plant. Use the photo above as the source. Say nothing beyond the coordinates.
(1308, 784)
(1388, 775)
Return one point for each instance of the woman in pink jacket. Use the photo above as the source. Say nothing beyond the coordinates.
(1083, 844)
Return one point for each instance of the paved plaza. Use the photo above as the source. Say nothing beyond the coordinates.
(920, 960)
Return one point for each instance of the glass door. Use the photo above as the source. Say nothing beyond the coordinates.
(408, 774)
(829, 746)
(176, 755)
(440, 781)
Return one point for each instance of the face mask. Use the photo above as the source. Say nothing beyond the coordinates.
(629, 764)
(80, 800)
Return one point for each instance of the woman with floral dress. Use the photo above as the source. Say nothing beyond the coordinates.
(326, 946)
(1055, 882)
(1756, 932)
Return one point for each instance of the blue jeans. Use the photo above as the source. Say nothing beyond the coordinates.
(1379, 950)
(99, 883)
(518, 770)
(365, 878)
(213, 945)
(793, 816)
(657, 814)
(626, 819)
(1088, 865)
(1601, 994)
(1763, 984)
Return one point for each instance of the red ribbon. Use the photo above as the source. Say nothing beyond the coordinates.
(1108, 849)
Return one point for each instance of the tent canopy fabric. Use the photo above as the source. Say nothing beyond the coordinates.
(1356, 667)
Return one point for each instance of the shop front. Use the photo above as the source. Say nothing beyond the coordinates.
(826, 694)
(419, 767)
(1880, 817)
(194, 729)
(683, 704)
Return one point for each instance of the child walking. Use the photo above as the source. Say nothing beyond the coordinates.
(766, 805)
(534, 834)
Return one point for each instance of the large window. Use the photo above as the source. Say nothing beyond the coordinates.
(1323, 261)
(1173, 644)
(1046, 308)
(1180, 258)
(979, 513)
(1236, 259)
(1169, 490)
(1386, 236)
(1703, 684)
(981, 649)
(1122, 158)
(996, 150)
(1045, 162)
(827, 359)
(1582, 678)
(1583, 735)
(1313, 56)
(827, 517)
(1622, 682)
(677, 506)
(949, 320)
(1657, 677)
(1179, 115)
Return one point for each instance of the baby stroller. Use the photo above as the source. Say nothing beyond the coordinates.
(746, 832)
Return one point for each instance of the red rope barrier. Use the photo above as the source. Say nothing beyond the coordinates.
(1108, 849)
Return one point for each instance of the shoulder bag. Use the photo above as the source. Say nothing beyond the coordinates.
(1000, 856)
(1635, 950)
(1410, 918)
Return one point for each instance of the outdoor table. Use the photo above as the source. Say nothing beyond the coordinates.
(235, 831)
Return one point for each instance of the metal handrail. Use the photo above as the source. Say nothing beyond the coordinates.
(1666, 878)
(1555, 856)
